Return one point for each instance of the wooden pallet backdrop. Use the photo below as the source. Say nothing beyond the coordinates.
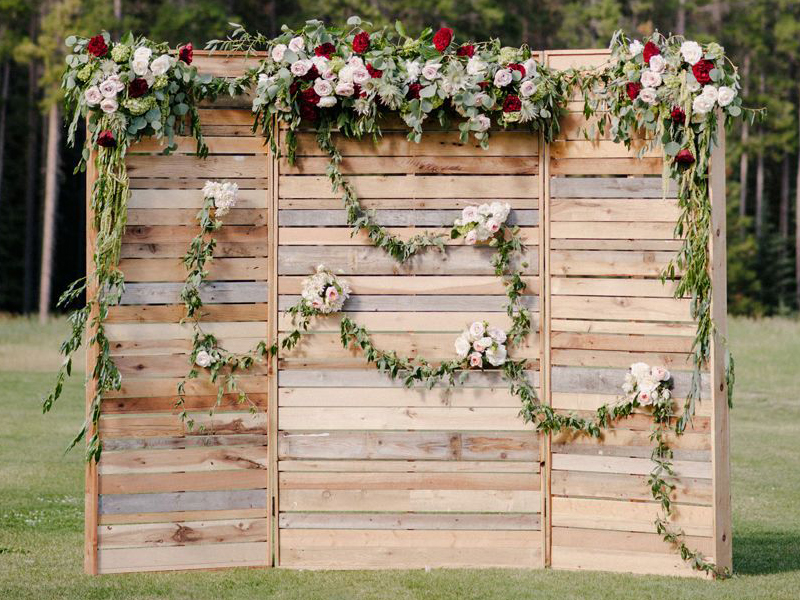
(341, 468)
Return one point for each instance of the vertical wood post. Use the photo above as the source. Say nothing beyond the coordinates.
(272, 324)
(90, 495)
(720, 435)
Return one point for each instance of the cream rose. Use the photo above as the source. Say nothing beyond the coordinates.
(636, 48)
(651, 79)
(503, 77)
(296, 44)
(109, 105)
(203, 359)
(527, 89)
(648, 95)
(160, 65)
(93, 96)
(300, 67)
(322, 87)
(657, 64)
(692, 52)
(462, 346)
(475, 66)
(726, 95)
(431, 72)
(278, 51)
(702, 105)
(345, 88)
(327, 101)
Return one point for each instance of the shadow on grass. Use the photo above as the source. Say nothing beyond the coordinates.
(766, 553)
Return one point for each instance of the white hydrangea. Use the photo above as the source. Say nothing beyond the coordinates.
(225, 195)
(692, 52)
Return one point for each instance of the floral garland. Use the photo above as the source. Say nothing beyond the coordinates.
(124, 91)
(332, 78)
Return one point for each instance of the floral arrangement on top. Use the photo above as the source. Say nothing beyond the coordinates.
(352, 77)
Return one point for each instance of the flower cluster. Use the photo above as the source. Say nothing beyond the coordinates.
(482, 345)
(323, 292)
(224, 195)
(132, 88)
(205, 358)
(319, 73)
(647, 385)
(480, 223)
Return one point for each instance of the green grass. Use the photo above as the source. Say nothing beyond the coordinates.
(41, 508)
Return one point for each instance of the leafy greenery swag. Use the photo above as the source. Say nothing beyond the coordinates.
(620, 95)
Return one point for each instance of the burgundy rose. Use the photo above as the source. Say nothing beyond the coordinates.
(413, 91)
(484, 84)
(186, 53)
(677, 115)
(512, 103)
(361, 42)
(373, 72)
(106, 139)
(702, 71)
(309, 96)
(293, 88)
(138, 87)
(97, 46)
(684, 157)
(358, 92)
(443, 38)
(327, 49)
(650, 50)
(311, 74)
(466, 50)
(308, 112)
(517, 67)
(633, 89)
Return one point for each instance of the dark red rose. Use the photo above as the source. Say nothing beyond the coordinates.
(361, 42)
(97, 46)
(309, 96)
(293, 88)
(701, 71)
(358, 92)
(677, 115)
(327, 49)
(308, 112)
(484, 84)
(186, 53)
(650, 50)
(137, 87)
(684, 157)
(413, 91)
(512, 103)
(466, 50)
(311, 74)
(633, 89)
(443, 38)
(106, 139)
(373, 72)
(517, 67)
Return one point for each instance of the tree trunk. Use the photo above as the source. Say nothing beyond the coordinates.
(745, 158)
(3, 113)
(783, 213)
(760, 176)
(31, 193)
(50, 201)
(797, 215)
(680, 20)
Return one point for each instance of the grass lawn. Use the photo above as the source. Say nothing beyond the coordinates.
(41, 501)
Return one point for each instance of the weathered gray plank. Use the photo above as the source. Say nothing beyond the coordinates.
(463, 521)
(442, 303)
(629, 451)
(117, 504)
(358, 378)
(223, 292)
(608, 187)
(588, 380)
(393, 218)
(185, 442)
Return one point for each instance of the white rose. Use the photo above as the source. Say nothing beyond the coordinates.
(471, 238)
(530, 67)
(711, 92)
(160, 65)
(431, 72)
(627, 387)
(527, 88)
(413, 69)
(482, 344)
(475, 360)
(475, 66)
(300, 67)
(345, 88)
(462, 346)
(278, 51)
(264, 79)
(469, 214)
(691, 52)
(142, 53)
(297, 44)
(322, 87)
(93, 96)
(503, 77)
(702, 105)
(140, 66)
(496, 356)
(636, 48)
(493, 225)
(361, 75)
(483, 122)
(726, 95)
(108, 89)
(660, 374)
(109, 105)
(326, 101)
(648, 95)
(203, 359)
(320, 62)
(640, 370)
(651, 79)
(355, 61)
(346, 74)
(477, 329)
(497, 334)
(657, 64)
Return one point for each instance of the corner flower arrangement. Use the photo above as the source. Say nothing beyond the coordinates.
(482, 345)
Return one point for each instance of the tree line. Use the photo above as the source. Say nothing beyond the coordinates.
(41, 202)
